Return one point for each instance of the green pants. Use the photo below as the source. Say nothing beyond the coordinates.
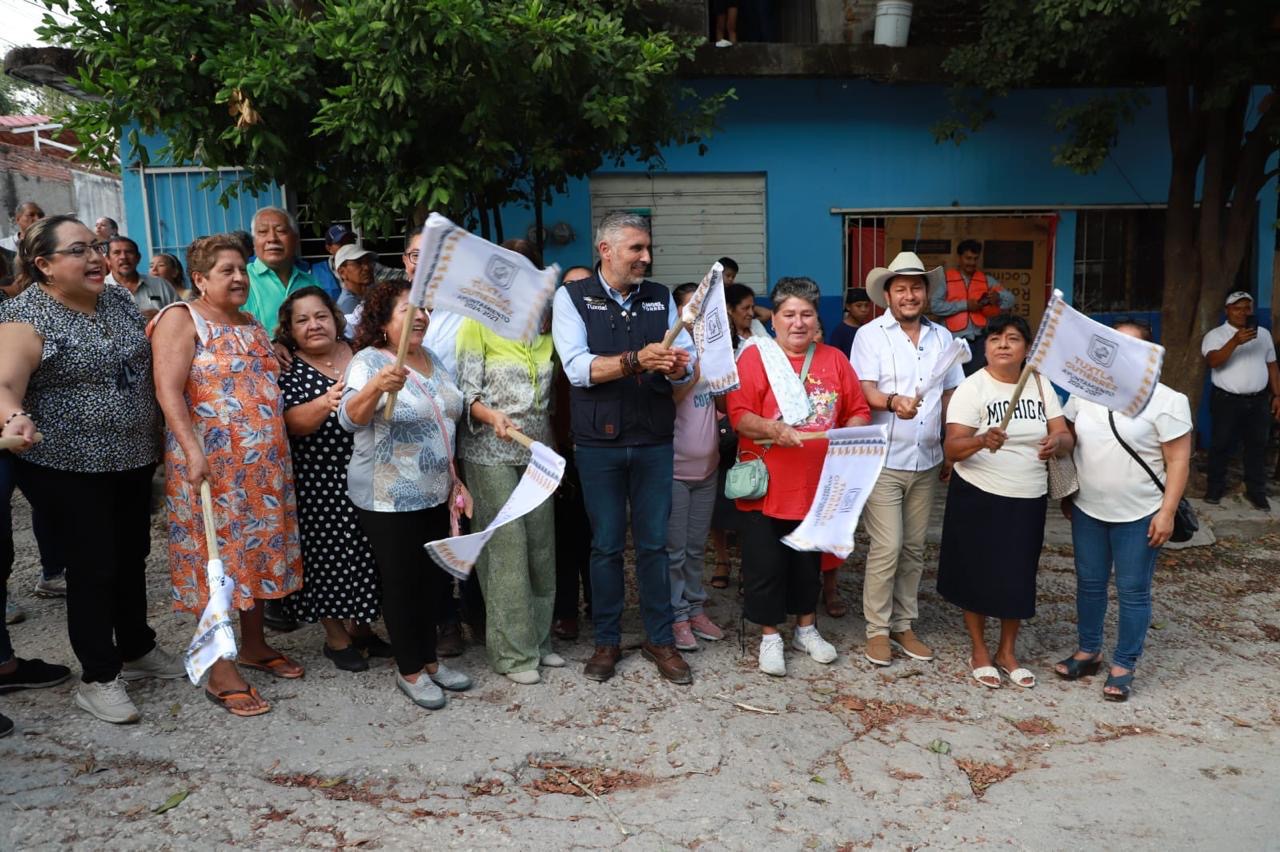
(517, 571)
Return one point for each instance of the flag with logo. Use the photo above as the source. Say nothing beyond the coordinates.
(470, 276)
(708, 319)
(541, 478)
(214, 639)
(855, 457)
(1093, 361)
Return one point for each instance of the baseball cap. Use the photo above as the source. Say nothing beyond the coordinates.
(1237, 296)
(350, 252)
(337, 234)
(856, 294)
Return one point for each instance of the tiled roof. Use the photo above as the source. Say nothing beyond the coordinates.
(23, 120)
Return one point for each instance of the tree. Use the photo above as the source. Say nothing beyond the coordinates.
(390, 107)
(1212, 57)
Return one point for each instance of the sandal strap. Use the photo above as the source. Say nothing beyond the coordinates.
(1119, 680)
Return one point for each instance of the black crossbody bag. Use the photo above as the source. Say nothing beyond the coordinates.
(1185, 522)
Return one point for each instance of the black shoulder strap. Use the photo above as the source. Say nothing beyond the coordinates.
(1111, 418)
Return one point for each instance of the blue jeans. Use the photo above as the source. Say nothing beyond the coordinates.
(1098, 545)
(611, 477)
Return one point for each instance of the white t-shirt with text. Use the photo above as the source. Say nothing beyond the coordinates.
(1015, 470)
(1113, 487)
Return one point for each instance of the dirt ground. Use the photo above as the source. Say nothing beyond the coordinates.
(832, 757)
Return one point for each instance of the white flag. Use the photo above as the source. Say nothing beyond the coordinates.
(854, 459)
(705, 311)
(1093, 361)
(215, 639)
(470, 276)
(957, 353)
(541, 478)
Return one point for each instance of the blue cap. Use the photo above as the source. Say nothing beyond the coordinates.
(338, 234)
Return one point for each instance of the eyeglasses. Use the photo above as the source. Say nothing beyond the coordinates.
(413, 255)
(81, 249)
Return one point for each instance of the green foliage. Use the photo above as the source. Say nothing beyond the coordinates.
(1222, 46)
(392, 106)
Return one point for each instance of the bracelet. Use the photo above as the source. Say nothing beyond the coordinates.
(888, 403)
(17, 414)
(624, 364)
(631, 363)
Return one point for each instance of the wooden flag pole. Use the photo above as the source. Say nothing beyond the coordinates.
(672, 334)
(1017, 395)
(521, 438)
(804, 436)
(210, 528)
(15, 441)
(401, 352)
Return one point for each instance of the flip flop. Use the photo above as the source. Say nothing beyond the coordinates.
(273, 666)
(718, 580)
(1018, 676)
(988, 672)
(223, 699)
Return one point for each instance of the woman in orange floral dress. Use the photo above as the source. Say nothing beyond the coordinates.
(215, 377)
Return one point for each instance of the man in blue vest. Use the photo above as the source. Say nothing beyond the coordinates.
(608, 331)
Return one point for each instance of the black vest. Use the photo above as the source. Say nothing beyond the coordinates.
(632, 411)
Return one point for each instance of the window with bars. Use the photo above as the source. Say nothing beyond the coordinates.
(1119, 260)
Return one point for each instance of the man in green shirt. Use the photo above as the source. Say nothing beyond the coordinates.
(274, 273)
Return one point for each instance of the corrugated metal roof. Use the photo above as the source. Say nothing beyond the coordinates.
(23, 120)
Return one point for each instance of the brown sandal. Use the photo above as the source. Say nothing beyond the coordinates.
(835, 606)
(274, 666)
(224, 699)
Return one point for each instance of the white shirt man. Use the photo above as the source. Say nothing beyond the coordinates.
(894, 355)
(1242, 365)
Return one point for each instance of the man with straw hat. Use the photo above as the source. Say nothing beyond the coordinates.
(894, 355)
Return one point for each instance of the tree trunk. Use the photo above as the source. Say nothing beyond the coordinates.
(540, 238)
(497, 225)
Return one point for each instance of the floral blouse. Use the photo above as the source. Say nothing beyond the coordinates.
(402, 464)
(509, 376)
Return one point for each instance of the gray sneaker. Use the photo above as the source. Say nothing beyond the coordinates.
(155, 663)
(424, 693)
(451, 678)
(108, 701)
(13, 613)
(54, 587)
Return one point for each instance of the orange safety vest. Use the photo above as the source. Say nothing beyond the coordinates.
(956, 290)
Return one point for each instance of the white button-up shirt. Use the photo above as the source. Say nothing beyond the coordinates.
(884, 354)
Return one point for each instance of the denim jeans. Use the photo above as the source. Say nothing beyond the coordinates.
(691, 504)
(611, 478)
(51, 564)
(1098, 545)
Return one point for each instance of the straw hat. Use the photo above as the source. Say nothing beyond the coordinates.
(906, 263)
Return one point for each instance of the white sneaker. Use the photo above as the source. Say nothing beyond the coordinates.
(12, 612)
(811, 642)
(724, 42)
(527, 677)
(553, 660)
(54, 587)
(108, 701)
(424, 693)
(451, 678)
(772, 661)
(155, 663)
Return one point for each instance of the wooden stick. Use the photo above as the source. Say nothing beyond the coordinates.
(601, 802)
(401, 352)
(750, 707)
(521, 438)
(210, 528)
(15, 441)
(804, 436)
(1017, 395)
(672, 334)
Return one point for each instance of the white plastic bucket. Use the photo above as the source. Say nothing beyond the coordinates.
(893, 22)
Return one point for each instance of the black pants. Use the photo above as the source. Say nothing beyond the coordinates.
(411, 587)
(1244, 419)
(573, 546)
(776, 580)
(103, 524)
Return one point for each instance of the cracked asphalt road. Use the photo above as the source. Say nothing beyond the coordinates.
(914, 756)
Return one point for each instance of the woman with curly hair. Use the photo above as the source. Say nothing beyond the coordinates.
(402, 479)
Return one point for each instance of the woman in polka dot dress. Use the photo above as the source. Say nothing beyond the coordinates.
(341, 580)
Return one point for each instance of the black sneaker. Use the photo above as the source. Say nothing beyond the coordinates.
(6, 725)
(277, 618)
(450, 642)
(373, 645)
(33, 674)
(1259, 501)
(1213, 498)
(348, 659)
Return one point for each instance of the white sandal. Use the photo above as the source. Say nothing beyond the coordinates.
(987, 672)
(1018, 676)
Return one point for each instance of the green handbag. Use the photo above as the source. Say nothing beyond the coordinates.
(748, 479)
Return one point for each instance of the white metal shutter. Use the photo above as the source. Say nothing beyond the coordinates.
(696, 220)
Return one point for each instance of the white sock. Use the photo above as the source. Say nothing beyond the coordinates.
(770, 639)
(807, 631)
